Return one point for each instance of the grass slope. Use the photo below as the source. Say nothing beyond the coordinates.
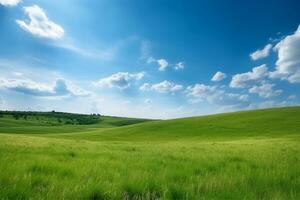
(243, 155)
(254, 124)
(49, 122)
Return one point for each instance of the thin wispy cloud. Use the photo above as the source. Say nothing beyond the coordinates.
(101, 54)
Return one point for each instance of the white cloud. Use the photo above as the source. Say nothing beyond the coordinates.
(179, 66)
(212, 95)
(261, 53)
(288, 62)
(29, 87)
(219, 76)
(39, 24)
(162, 87)
(247, 79)
(120, 80)
(10, 2)
(201, 91)
(266, 90)
(163, 64)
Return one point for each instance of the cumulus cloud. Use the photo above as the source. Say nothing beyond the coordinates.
(163, 64)
(162, 87)
(201, 91)
(10, 3)
(288, 62)
(39, 25)
(179, 66)
(261, 53)
(266, 90)
(120, 80)
(29, 87)
(219, 76)
(213, 95)
(247, 79)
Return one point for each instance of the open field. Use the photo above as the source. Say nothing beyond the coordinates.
(243, 155)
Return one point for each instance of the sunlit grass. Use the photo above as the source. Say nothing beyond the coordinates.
(64, 167)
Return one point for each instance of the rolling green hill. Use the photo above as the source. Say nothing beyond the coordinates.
(57, 122)
(241, 155)
(258, 123)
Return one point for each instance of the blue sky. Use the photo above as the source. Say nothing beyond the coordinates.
(154, 59)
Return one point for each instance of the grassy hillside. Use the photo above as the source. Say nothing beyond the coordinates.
(243, 155)
(57, 122)
(255, 124)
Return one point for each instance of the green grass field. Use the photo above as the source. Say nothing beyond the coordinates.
(242, 155)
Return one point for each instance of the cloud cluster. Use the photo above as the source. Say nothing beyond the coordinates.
(120, 80)
(162, 87)
(287, 68)
(246, 79)
(261, 53)
(288, 62)
(266, 90)
(214, 95)
(218, 76)
(163, 64)
(29, 87)
(10, 3)
(39, 24)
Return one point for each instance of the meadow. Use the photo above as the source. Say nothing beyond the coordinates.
(241, 155)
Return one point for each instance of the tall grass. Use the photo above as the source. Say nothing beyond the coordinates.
(66, 166)
(42, 168)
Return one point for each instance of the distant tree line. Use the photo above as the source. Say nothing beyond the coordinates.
(53, 117)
